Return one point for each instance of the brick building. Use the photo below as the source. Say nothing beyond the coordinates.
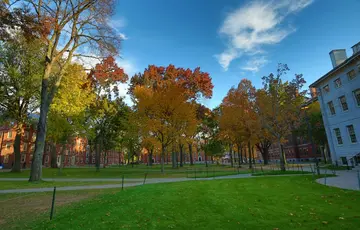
(297, 149)
(77, 152)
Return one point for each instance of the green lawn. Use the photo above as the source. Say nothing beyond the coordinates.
(254, 203)
(280, 173)
(47, 184)
(137, 171)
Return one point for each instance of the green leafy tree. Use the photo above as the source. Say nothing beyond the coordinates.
(20, 80)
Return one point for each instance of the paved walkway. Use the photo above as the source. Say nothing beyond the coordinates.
(85, 187)
(344, 179)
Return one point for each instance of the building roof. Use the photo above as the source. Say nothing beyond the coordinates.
(343, 64)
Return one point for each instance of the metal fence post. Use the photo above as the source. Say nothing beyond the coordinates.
(145, 178)
(358, 176)
(195, 173)
(325, 177)
(53, 204)
(122, 183)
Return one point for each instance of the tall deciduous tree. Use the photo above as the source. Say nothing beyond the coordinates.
(67, 112)
(66, 26)
(164, 114)
(20, 80)
(284, 100)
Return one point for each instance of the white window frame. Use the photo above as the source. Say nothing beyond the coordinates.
(9, 134)
(23, 158)
(348, 75)
(336, 136)
(25, 146)
(326, 86)
(357, 103)
(333, 106)
(336, 85)
(341, 105)
(347, 127)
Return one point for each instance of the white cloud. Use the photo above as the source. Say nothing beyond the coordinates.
(256, 24)
(118, 24)
(255, 64)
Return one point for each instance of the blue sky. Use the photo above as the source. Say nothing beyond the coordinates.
(235, 39)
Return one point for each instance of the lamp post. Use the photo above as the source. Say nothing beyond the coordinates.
(311, 139)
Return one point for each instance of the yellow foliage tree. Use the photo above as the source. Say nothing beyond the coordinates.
(165, 114)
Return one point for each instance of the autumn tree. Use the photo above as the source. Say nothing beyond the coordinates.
(282, 106)
(207, 129)
(238, 120)
(164, 114)
(264, 138)
(192, 84)
(20, 80)
(67, 112)
(67, 26)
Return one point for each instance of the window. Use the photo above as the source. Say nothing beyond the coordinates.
(343, 103)
(23, 157)
(337, 83)
(46, 159)
(25, 147)
(8, 145)
(10, 134)
(351, 75)
(357, 96)
(352, 134)
(26, 135)
(6, 159)
(331, 108)
(338, 136)
(326, 88)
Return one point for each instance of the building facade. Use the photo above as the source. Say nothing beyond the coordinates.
(77, 152)
(338, 92)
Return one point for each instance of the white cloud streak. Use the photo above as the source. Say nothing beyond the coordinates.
(254, 25)
(255, 64)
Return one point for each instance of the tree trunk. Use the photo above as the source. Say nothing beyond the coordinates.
(206, 163)
(45, 101)
(62, 157)
(241, 155)
(181, 154)
(150, 157)
(282, 157)
(323, 153)
(231, 156)
(173, 159)
(190, 155)
(163, 150)
(97, 154)
(17, 153)
(250, 160)
(266, 156)
(53, 156)
(239, 158)
(105, 155)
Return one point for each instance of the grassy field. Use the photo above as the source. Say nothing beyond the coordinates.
(280, 173)
(137, 171)
(49, 184)
(253, 203)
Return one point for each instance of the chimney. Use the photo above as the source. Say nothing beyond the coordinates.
(356, 48)
(337, 57)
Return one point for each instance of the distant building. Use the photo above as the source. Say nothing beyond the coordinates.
(77, 152)
(338, 93)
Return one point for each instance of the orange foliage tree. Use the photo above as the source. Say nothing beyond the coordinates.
(238, 121)
(165, 114)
